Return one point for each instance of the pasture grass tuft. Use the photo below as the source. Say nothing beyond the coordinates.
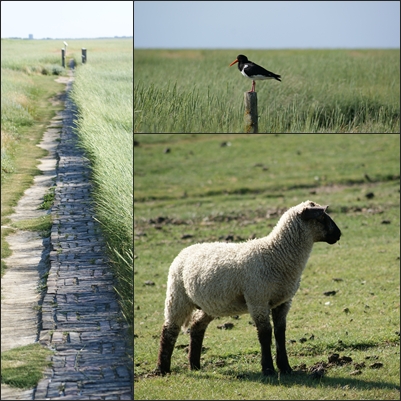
(22, 367)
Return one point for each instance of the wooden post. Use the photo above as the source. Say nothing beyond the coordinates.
(251, 112)
(84, 56)
(63, 57)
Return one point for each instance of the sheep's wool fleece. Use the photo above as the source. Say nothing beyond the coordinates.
(224, 278)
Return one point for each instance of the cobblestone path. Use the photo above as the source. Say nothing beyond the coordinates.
(81, 320)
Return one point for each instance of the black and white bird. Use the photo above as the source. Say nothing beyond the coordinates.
(253, 71)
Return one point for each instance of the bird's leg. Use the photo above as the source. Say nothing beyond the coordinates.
(253, 87)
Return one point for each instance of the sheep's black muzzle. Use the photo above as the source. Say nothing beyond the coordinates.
(333, 233)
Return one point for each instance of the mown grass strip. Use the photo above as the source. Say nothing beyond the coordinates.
(23, 367)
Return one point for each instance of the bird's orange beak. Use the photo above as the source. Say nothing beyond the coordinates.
(236, 61)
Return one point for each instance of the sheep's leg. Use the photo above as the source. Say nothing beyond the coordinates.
(265, 339)
(280, 321)
(264, 328)
(197, 332)
(167, 341)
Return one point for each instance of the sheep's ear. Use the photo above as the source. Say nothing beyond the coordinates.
(313, 212)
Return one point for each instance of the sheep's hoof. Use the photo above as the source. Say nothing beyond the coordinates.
(286, 371)
(160, 371)
(269, 372)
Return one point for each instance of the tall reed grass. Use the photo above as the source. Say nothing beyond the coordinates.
(195, 91)
(103, 94)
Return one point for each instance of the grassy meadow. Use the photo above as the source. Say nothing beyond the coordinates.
(233, 187)
(103, 91)
(28, 70)
(191, 91)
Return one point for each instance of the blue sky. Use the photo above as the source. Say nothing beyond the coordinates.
(66, 19)
(266, 25)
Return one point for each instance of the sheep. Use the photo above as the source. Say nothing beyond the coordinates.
(257, 277)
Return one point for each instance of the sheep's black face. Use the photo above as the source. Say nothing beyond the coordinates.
(325, 230)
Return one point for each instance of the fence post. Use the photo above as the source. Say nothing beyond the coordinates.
(63, 57)
(251, 112)
(84, 56)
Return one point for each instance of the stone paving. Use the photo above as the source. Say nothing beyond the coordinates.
(81, 319)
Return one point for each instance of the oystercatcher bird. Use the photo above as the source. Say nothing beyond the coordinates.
(253, 71)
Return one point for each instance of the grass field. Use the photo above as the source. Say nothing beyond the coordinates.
(183, 91)
(233, 187)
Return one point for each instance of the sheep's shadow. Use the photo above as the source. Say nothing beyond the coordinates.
(305, 379)
(299, 378)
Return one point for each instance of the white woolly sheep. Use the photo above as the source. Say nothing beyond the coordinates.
(256, 277)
